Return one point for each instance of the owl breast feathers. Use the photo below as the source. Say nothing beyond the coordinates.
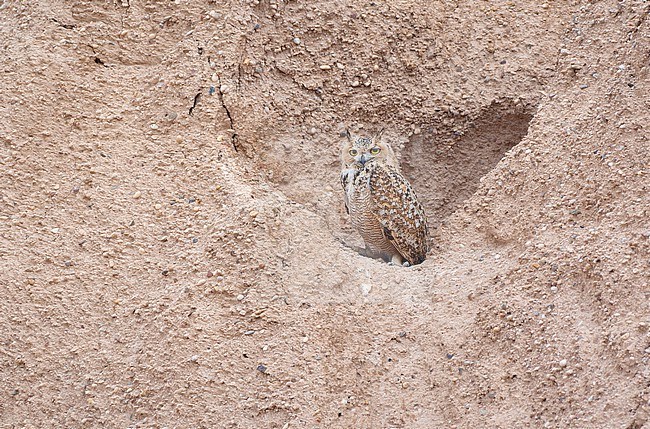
(383, 206)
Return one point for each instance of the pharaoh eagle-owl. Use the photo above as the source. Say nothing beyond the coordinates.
(381, 202)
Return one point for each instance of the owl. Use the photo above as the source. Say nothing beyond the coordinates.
(381, 203)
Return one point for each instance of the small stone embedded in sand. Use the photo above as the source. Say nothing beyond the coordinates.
(297, 40)
(563, 363)
(55, 230)
(365, 288)
(261, 368)
(137, 194)
(240, 297)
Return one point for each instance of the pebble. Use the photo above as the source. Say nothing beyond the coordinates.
(355, 83)
(55, 230)
(261, 368)
(154, 126)
(240, 297)
(253, 213)
(297, 40)
(194, 358)
(137, 194)
(365, 288)
(563, 363)
(325, 67)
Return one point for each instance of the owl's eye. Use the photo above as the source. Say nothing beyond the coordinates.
(353, 152)
(375, 150)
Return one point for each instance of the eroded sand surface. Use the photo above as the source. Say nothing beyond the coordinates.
(174, 250)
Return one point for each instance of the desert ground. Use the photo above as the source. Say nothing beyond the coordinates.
(175, 252)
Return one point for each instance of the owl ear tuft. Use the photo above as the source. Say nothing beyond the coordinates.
(379, 134)
(348, 135)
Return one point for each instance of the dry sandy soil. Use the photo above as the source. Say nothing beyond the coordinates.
(174, 250)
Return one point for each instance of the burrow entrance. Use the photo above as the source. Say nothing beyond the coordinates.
(445, 169)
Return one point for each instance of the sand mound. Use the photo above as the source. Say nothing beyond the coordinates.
(173, 246)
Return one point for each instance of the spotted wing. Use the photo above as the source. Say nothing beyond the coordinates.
(399, 212)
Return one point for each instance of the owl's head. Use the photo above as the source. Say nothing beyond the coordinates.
(357, 151)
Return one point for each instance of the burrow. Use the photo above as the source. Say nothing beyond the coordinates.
(443, 164)
(445, 167)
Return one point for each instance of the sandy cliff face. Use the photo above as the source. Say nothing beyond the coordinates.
(174, 251)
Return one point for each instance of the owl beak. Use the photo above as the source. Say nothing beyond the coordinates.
(363, 159)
